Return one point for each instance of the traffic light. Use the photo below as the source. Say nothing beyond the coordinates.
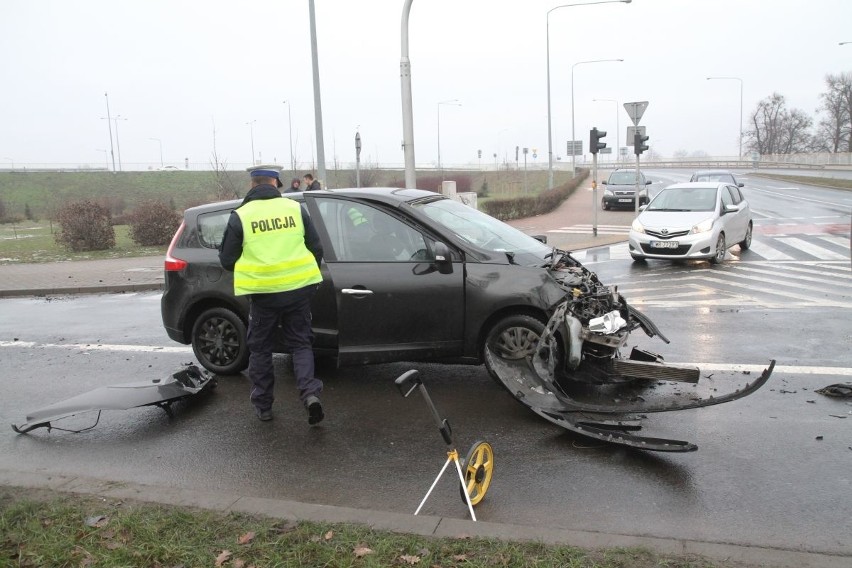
(639, 145)
(479, 152)
(595, 144)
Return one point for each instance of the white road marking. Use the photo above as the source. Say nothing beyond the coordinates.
(734, 367)
(768, 252)
(795, 197)
(98, 347)
(812, 249)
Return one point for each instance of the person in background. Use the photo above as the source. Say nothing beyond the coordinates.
(295, 185)
(274, 251)
(311, 184)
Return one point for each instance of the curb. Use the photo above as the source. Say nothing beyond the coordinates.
(423, 525)
(116, 288)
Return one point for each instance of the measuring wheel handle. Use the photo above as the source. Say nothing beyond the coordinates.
(477, 468)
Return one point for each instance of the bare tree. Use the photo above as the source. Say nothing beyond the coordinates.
(225, 186)
(833, 131)
(778, 130)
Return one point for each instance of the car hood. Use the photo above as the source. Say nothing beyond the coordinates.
(673, 219)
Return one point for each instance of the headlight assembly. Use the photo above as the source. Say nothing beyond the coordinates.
(637, 226)
(703, 226)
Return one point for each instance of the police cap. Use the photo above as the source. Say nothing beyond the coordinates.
(270, 171)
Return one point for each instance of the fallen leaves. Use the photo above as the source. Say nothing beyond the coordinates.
(223, 557)
(362, 551)
(246, 538)
(409, 559)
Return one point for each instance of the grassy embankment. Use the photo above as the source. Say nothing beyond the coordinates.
(41, 529)
(44, 193)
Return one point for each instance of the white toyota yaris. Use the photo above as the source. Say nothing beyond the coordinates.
(697, 220)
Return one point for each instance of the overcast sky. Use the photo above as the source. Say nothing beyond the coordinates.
(177, 69)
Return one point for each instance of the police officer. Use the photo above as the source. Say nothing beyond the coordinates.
(274, 251)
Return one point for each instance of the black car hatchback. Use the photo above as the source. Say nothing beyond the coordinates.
(407, 275)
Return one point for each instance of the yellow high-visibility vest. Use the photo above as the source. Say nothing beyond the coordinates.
(274, 257)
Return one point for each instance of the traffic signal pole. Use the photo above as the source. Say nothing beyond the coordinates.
(637, 185)
(595, 194)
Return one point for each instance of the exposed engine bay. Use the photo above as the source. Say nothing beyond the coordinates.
(577, 363)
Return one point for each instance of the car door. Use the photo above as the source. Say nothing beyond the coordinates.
(392, 302)
(736, 223)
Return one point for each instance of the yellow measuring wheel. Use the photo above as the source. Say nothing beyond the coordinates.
(478, 465)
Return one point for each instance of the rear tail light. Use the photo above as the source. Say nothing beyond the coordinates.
(173, 264)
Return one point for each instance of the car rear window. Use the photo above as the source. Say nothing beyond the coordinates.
(211, 228)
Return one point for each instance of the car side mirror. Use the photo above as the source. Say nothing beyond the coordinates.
(729, 209)
(540, 238)
(740, 185)
(603, 182)
(648, 182)
(643, 207)
(443, 258)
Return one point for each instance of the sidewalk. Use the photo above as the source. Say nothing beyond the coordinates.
(146, 273)
(82, 276)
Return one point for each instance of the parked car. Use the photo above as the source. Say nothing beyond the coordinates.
(424, 278)
(620, 189)
(716, 175)
(694, 220)
(169, 169)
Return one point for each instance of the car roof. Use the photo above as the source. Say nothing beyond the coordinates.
(389, 195)
(696, 185)
(705, 172)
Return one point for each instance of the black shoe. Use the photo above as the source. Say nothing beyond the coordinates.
(264, 415)
(315, 413)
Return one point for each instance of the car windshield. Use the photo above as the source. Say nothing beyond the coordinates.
(483, 231)
(622, 178)
(727, 178)
(684, 199)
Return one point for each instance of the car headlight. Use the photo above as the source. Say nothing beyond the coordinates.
(703, 226)
(608, 192)
(637, 226)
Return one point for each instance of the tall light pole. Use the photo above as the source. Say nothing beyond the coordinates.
(741, 107)
(317, 97)
(290, 128)
(617, 143)
(453, 102)
(109, 124)
(844, 42)
(117, 144)
(407, 105)
(160, 142)
(549, 135)
(573, 154)
(251, 132)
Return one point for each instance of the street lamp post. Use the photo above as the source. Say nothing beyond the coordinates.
(617, 142)
(251, 132)
(741, 107)
(547, 40)
(407, 106)
(160, 142)
(109, 125)
(573, 137)
(453, 102)
(290, 128)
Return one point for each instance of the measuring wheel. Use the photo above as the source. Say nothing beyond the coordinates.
(478, 467)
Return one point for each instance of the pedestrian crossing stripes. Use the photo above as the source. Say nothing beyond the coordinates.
(742, 285)
(786, 248)
(588, 230)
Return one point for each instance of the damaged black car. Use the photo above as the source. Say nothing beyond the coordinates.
(411, 275)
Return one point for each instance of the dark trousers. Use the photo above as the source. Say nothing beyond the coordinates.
(293, 311)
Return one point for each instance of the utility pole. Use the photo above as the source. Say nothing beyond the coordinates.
(109, 123)
(317, 97)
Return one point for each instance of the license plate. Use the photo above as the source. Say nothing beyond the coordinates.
(664, 244)
(622, 200)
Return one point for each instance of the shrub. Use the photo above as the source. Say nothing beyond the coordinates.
(85, 226)
(527, 206)
(153, 223)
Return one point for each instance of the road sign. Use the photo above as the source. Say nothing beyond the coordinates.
(636, 110)
(575, 148)
(606, 150)
(632, 131)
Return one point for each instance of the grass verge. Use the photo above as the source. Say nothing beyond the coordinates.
(30, 241)
(810, 180)
(42, 528)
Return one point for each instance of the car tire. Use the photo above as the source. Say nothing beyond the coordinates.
(746, 242)
(219, 341)
(604, 205)
(513, 337)
(720, 250)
